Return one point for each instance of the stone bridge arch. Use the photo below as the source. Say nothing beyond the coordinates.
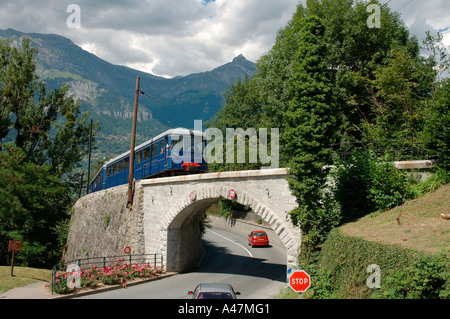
(171, 215)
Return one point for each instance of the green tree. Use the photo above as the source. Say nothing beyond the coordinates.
(32, 203)
(437, 107)
(48, 126)
(241, 110)
(241, 107)
(437, 131)
(354, 51)
(51, 137)
(399, 89)
(310, 128)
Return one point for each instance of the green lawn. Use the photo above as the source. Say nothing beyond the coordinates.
(22, 277)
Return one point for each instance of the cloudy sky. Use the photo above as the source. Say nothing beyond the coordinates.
(180, 37)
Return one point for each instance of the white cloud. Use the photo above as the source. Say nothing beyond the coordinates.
(446, 38)
(180, 37)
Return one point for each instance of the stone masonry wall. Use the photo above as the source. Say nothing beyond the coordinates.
(102, 225)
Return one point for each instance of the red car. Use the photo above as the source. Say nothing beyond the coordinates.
(258, 238)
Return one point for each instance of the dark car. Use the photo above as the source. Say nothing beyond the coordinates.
(214, 291)
(258, 238)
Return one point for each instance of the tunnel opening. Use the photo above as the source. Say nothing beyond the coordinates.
(184, 237)
(184, 233)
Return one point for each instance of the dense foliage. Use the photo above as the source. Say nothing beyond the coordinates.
(346, 94)
(364, 185)
(33, 202)
(309, 129)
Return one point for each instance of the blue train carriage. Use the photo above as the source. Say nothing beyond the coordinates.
(174, 152)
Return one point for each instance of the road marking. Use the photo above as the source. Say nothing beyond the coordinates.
(232, 242)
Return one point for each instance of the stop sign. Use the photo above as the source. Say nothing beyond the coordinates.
(299, 281)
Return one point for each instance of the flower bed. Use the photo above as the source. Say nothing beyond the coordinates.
(95, 277)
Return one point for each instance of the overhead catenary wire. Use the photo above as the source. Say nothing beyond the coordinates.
(143, 93)
(404, 5)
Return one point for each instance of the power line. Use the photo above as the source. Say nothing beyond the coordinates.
(385, 4)
(405, 5)
(143, 93)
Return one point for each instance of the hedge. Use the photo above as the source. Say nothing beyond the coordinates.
(341, 271)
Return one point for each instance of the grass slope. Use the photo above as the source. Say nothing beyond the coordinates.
(421, 226)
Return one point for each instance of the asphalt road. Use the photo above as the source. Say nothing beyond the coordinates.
(257, 273)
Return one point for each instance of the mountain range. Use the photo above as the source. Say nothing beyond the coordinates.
(108, 90)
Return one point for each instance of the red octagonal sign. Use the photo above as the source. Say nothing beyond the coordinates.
(300, 281)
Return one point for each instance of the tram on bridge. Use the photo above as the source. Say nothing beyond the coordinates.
(174, 152)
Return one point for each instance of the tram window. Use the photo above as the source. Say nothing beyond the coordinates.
(189, 143)
(108, 171)
(138, 157)
(147, 153)
(161, 147)
(199, 146)
(176, 139)
(114, 169)
(126, 163)
(154, 149)
(120, 166)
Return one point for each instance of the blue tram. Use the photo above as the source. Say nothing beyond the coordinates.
(174, 152)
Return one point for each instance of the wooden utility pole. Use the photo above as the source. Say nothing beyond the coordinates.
(133, 139)
(89, 162)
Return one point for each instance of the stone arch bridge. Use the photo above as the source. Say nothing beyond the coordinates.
(166, 213)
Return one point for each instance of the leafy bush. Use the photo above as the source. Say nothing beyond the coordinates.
(438, 179)
(365, 184)
(428, 277)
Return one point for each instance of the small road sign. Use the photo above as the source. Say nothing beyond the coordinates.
(299, 281)
(15, 245)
